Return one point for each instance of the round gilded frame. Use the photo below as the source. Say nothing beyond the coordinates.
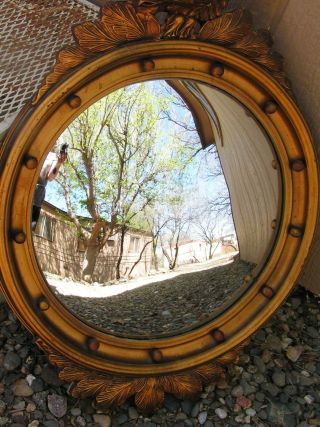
(75, 346)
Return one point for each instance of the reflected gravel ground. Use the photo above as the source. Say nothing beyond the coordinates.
(162, 307)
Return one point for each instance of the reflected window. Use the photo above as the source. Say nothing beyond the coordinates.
(45, 227)
(134, 244)
(111, 242)
(81, 245)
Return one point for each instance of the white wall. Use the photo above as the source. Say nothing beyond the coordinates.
(246, 157)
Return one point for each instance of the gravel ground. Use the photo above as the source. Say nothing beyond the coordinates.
(163, 307)
(276, 382)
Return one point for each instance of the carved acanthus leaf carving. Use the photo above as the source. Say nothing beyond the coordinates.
(122, 22)
(228, 28)
(149, 391)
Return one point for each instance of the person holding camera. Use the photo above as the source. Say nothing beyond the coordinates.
(48, 173)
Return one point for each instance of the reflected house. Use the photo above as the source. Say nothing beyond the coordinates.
(195, 251)
(61, 252)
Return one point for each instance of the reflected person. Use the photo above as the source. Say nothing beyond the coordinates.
(48, 173)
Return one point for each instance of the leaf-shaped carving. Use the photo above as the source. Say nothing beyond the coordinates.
(254, 44)
(151, 24)
(184, 385)
(273, 61)
(228, 28)
(209, 371)
(70, 374)
(71, 56)
(117, 391)
(150, 396)
(92, 37)
(121, 23)
(89, 386)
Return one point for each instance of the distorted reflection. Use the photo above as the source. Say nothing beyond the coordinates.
(137, 234)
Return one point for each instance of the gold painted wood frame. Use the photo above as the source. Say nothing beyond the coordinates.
(109, 367)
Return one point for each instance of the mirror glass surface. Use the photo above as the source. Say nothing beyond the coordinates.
(156, 208)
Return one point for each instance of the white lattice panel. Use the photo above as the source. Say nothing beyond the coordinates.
(31, 33)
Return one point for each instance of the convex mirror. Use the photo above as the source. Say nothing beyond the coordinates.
(136, 235)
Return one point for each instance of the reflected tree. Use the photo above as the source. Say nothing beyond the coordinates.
(178, 217)
(121, 161)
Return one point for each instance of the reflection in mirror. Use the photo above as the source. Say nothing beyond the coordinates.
(154, 207)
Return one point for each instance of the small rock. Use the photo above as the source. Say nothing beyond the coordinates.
(195, 410)
(271, 389)
(243, 402)
(247, 388)
(259, 364)
(34, 423)
(293, 353)
(57, 405)
(309, 399)
(221, 413)
(30, 378)
(237, 391)
(239, 419)
(260, 396)
(133, 413)
(202, 417)
(75, 412)
(250, 412)
(19, 406)
(279, 378)
(80, 421)
(273, 343)
(11, 361)
(31, 407)
(266, 356)
(208, 423)
(21, 388)
(121, 419)
(286, 342)
(102, 420)
(3, 406)
(50, 376)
